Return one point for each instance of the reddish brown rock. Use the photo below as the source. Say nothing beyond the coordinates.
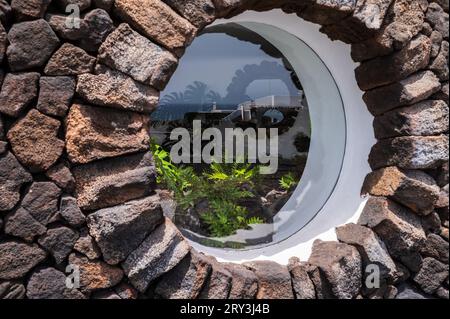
(17, 259)
(61, 175)
(121, 229)
(436, 247)
(114, 89)
(157, 21)
(31, 45)
(438, 19)
(219, 282)
(301, 283)
(424, 118)
(185, 280)
(404, 20)
(18, 92)
(244, 283)
(129, 52)
(398, 228)
(341, 266)
(163, 249)
(3, 42)
(87, 246)
(414, 89)
(12, 177)
(29, 9)
(410, 152)
(70, 60)
(34, 141)
(94, 133)
(385, 70)
(199, 12)
(274, 280)
(440, 63)
(115, 181)
(55, 95)
(414, 189)
(95, 275)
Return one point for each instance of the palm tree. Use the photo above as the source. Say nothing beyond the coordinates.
(196, 93)
(173, 98)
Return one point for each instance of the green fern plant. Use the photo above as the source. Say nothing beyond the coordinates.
(288, 182)
(222, 186)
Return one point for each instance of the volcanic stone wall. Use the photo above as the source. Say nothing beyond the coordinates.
(77, 180)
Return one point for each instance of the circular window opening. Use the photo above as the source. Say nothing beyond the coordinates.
(249, 137)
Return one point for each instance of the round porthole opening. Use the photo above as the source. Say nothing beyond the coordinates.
(255, 88)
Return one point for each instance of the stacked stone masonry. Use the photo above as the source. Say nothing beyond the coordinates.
(77, 181)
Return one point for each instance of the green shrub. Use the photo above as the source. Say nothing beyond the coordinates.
(222, 186)
(288, 182)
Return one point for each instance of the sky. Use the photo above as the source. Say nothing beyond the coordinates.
(214, 58)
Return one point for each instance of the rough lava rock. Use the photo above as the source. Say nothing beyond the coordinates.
(157, 21)
(87, 246)
(41, 201)
(301, 283)
(12, 177)
(127, 51)
(29, 9)
(49, 283)
(372, 250)
(400, 229)
(431, 275)
(18, 92)
(385, 70)
(424, 118)
(22, 224)
(274, 280)
(70, 211)
(160, 252)
(31, 45)
(199, 12)
(120, 230)
(61, 175)
(55, 95)
(218, 284)
(341, 266)
(34, 141)
(114, 89)
(410, 152)
(93, 133)
(414, 189)
(185, 280)
(95, 275)
(114, 181)
(244, 283)
(70, 60)
(411, 90)
(59, 242)
(17, 259)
